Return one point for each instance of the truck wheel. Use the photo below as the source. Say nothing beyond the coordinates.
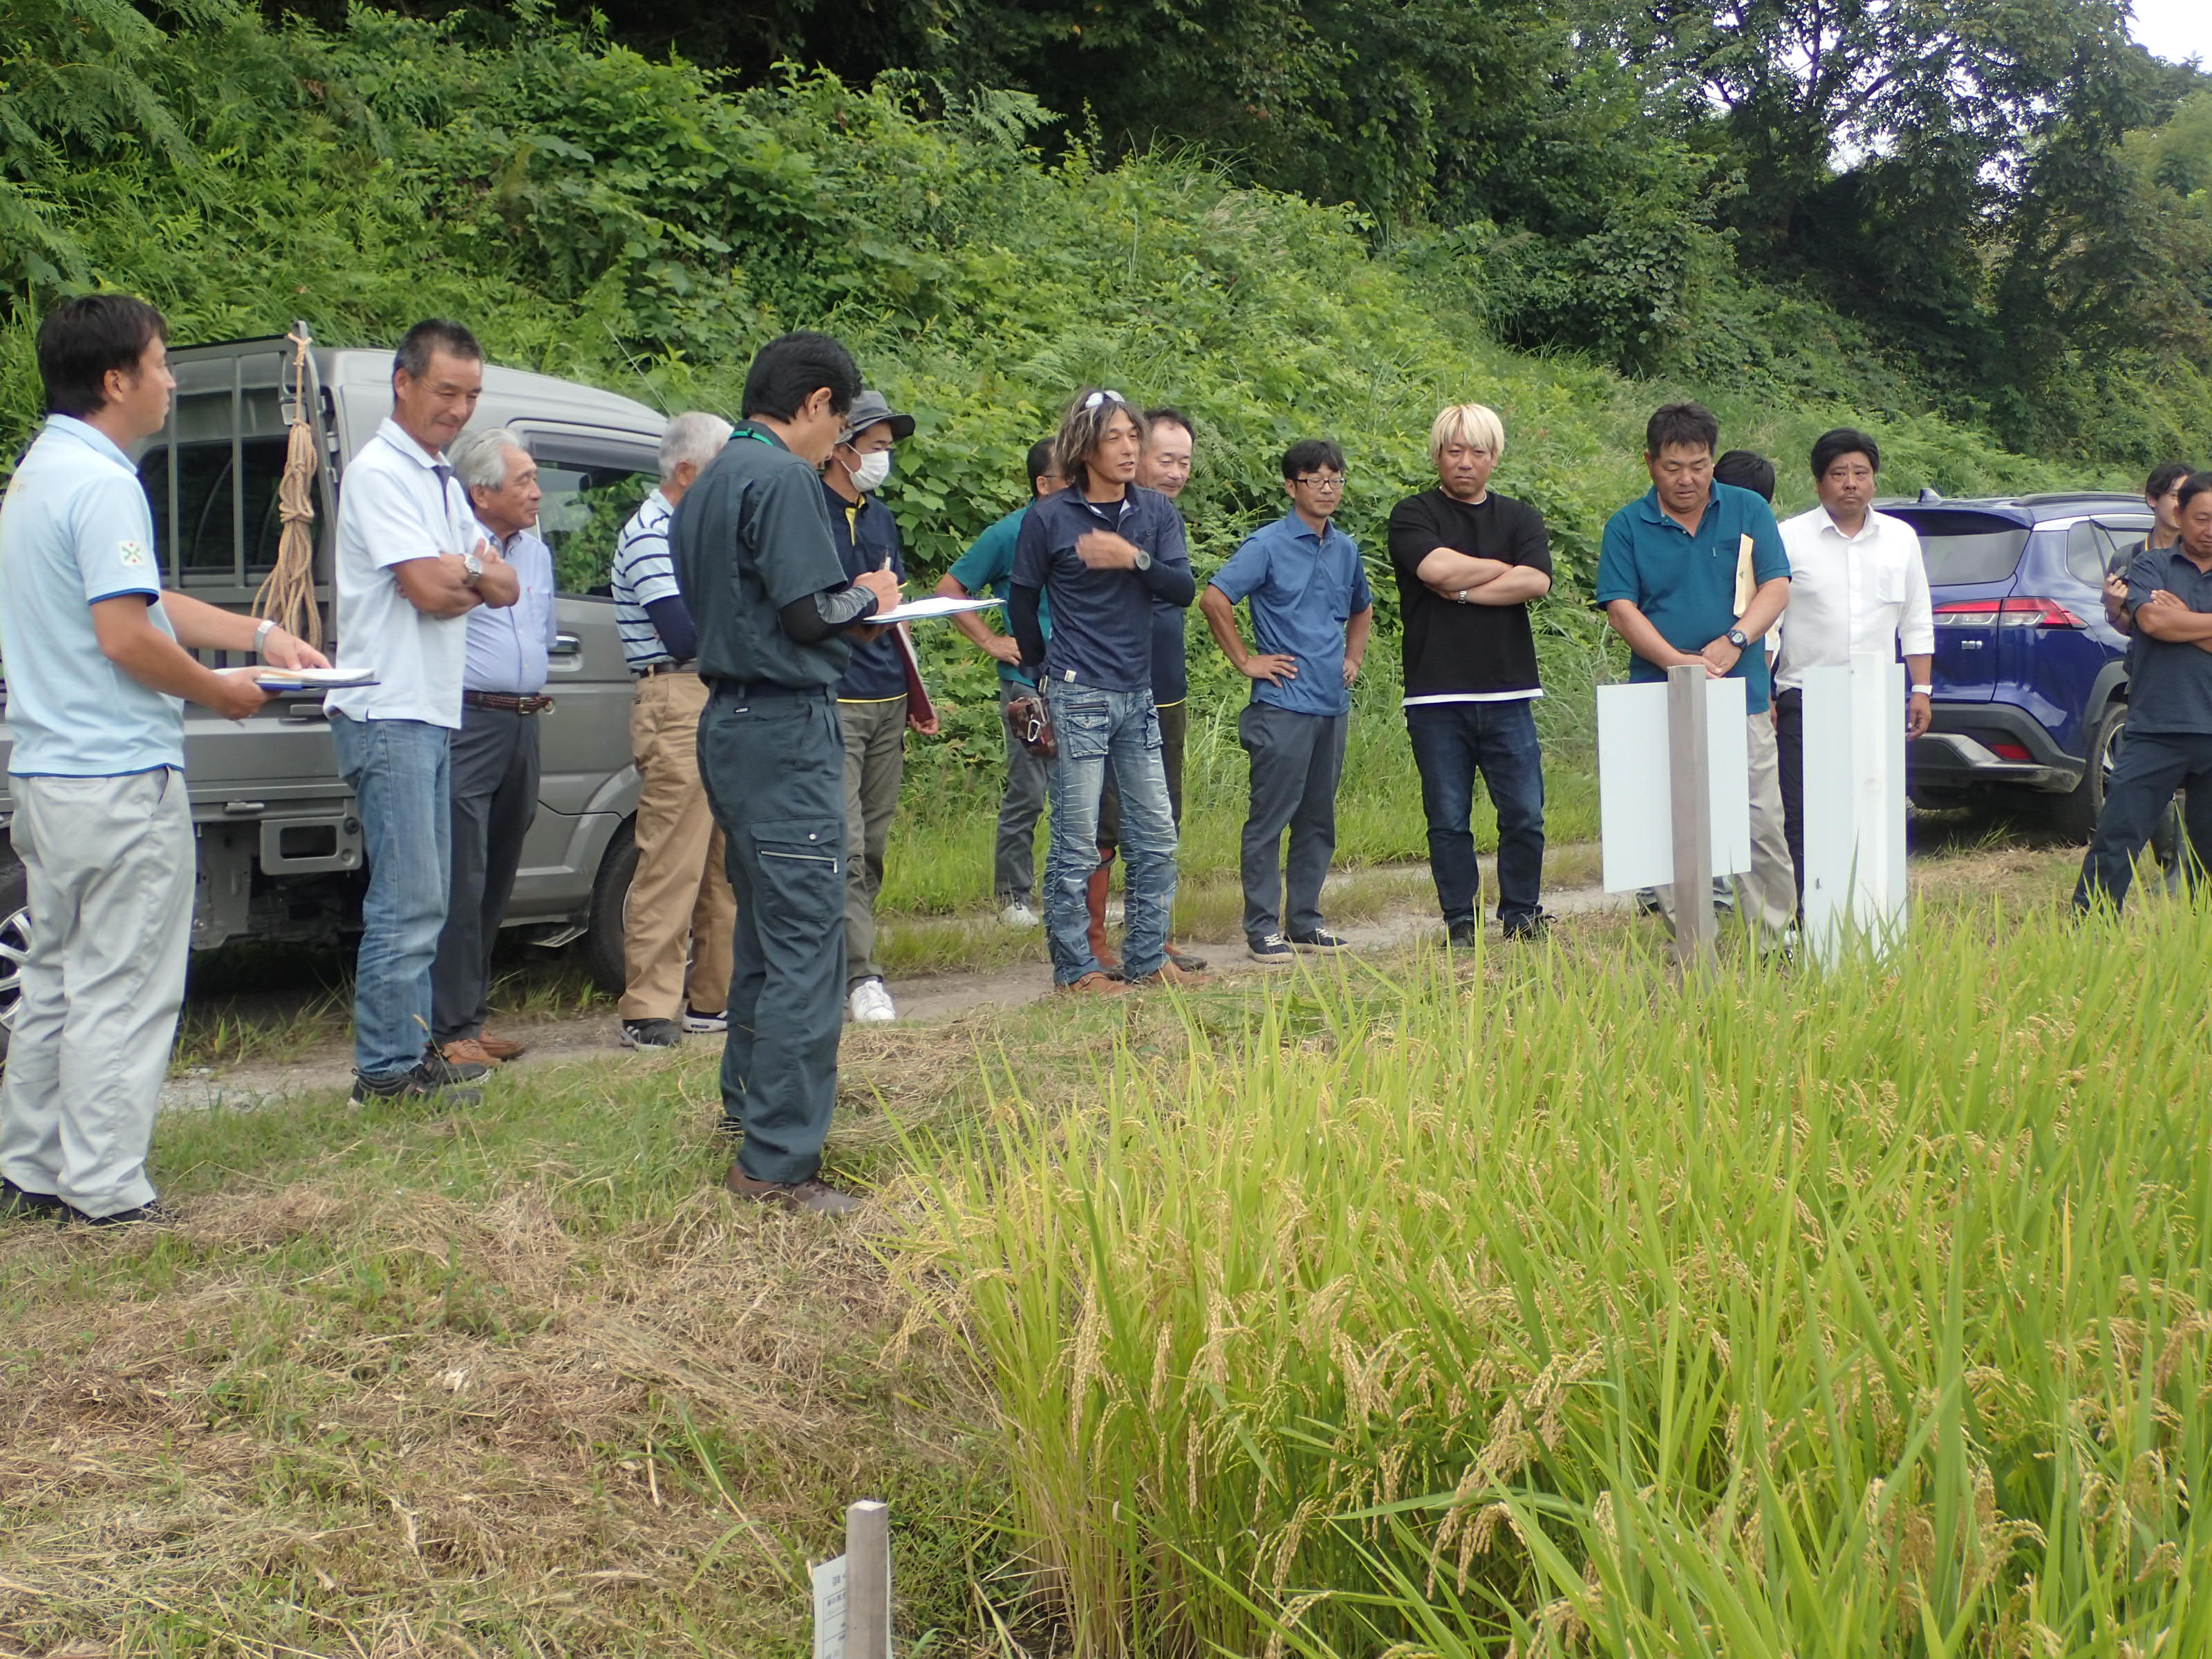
(14, 945)
(2075, 814)
(604, 927)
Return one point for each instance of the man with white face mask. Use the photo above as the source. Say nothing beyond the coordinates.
(872, 697)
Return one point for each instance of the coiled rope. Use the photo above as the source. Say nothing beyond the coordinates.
(288, 596)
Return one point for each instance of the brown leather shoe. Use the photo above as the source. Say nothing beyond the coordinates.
(469, 1051)
(816, 1197)
(1166, 975)
(1093, 985)
(1094, 895)
(500, 1048)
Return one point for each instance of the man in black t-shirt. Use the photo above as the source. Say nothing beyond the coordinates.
(1469, 563)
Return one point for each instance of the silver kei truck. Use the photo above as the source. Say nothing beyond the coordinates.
(280, 846)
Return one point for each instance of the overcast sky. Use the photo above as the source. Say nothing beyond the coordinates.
(2179, 29)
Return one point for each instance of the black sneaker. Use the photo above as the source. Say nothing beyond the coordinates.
(1320, 939)
(442, 1074)
(155, 1214)
(1271, 950)
(420, 1083)
(1534, 925)
(651, 1034)
(20, 1204)
(701, 1025)
(1463, 934)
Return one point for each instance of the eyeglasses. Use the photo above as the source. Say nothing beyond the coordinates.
(1098, 397)
(1336, 483)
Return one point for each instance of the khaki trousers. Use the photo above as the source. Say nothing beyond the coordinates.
(1766, 897)
(111, 869)
(875, 766)
(680, 905)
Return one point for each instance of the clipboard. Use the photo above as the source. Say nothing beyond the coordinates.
(918, 705)
(1745, 583)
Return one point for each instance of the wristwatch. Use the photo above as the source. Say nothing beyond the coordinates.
(1738, 638)
(471, 570)
(261, 637)
(1924, 691)
(1144, 561)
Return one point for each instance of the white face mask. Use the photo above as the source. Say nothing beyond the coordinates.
(869, 476)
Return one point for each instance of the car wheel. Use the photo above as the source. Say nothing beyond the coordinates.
(2075, 814)
(15, 945)
(604, 927)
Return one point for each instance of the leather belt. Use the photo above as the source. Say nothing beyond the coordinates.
(689, 666)
(506, 702)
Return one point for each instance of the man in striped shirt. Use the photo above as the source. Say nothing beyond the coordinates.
(680, 904)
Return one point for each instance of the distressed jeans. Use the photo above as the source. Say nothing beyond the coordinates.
(1101, 732)
(400, 772)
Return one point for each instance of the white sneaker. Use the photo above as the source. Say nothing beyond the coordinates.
(870, 1004)
(1018, 914)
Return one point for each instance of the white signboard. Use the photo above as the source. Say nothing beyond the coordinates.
(1854, 807)
(829, 1610)
(1635, 808)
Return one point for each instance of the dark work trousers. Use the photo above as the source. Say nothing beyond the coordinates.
(1298, 760)
(774, 761)
(1790, 761)
(1452, 742)
(1175, 726)
(1013, 865)
(2152, 765)
(494, 797)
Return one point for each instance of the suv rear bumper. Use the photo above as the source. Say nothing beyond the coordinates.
(1958, 753)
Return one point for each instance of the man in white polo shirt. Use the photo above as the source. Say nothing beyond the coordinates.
(96, 667)
(412, 564)
(1857, 583)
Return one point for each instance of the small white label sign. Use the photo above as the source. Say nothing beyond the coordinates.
(829, 1610)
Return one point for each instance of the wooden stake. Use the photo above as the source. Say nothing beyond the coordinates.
(1689, 776)
(868, 1581)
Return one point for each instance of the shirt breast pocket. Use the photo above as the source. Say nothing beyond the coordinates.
(1889, 582)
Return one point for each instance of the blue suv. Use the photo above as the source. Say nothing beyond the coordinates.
(2030, 681)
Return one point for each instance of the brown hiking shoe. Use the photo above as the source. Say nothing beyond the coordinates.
(1093, 985)
(469, 1051)
(499, 1048)
(816, 1197)
(1167, 974)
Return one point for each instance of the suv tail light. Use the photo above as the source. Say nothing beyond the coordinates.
(2006, 613)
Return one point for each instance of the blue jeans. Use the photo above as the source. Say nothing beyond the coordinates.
(1452, 741)
(399, 772)
(1098, 731)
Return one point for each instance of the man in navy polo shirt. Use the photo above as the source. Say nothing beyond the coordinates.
(2169, 742)
(1311, 611)
(1668, 577)
(1102, 550)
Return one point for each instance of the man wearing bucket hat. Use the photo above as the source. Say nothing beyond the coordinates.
(873, 708)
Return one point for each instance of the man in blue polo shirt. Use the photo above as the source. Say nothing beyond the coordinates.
(1695, 572)
(1311, 611)
(1102, 550)
(2169, 746)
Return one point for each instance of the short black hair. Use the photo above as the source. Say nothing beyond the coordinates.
(427, 339)
(1309, 453)
(1688, 426)
(2164, 479)
(83, 338)
(792, 368)
(1167, 416)
(1747, 469)
(1040, 461)
(1832, 447)
(2195, 486)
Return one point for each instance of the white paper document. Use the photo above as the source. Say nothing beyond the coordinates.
(1636, 811)
(928, 610)
(320, 679)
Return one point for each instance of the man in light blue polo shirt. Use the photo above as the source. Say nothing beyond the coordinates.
(1311, 611)
(96, 669)
(1694, 572)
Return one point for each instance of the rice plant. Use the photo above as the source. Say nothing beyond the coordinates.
(1541, 1305)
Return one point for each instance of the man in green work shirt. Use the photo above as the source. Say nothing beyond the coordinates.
(757, 563)
(987, 567)
(1694, 572)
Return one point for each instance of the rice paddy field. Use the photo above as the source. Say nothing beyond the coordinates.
(1525, 1302)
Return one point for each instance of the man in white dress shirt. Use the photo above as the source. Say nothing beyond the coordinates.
(1857, 583)
(412, 562)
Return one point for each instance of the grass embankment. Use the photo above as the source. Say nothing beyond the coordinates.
(1851, 1316)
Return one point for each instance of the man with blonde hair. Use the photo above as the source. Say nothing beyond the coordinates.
(1469, 563)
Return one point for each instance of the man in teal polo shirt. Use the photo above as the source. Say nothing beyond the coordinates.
(1668, 575)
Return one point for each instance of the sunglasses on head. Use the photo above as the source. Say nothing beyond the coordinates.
(1097, 397)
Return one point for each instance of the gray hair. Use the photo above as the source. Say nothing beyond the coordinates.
(694, 436)
(480, 458)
